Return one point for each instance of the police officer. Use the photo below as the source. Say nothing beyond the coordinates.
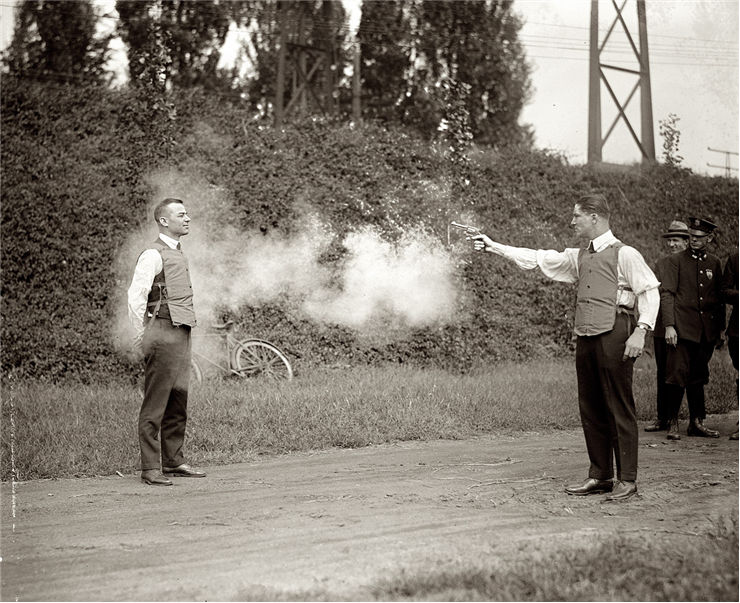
(676, 240)
(694, 316)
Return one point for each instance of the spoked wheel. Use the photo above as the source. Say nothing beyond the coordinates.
(257, 358)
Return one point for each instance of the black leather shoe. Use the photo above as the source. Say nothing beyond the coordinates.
(673, 433)
(590, 486)
(696, 428)
(657, 426)
(622, 491)
(182, 471)
(154, 478)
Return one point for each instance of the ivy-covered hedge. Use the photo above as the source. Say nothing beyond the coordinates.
(76, 168)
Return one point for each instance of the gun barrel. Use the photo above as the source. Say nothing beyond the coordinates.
(468, 229)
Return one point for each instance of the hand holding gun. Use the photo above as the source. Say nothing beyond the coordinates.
(473, 233)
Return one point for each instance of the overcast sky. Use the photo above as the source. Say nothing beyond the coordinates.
(693, 48)
(693, 61)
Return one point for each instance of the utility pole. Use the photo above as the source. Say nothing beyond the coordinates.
(728, 164)
(598, 73)
(280, 84)
(356, 62)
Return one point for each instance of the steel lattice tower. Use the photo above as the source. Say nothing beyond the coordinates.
(599, 71)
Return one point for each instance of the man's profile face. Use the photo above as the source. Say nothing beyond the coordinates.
(176, 219)
(699, 241)
(583, 223)
(676, 244)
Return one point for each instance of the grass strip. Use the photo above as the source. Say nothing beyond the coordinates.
(62, 430)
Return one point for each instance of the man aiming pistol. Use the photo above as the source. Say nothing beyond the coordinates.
(616, 304)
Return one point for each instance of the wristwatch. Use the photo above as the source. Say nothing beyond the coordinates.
(643, 327)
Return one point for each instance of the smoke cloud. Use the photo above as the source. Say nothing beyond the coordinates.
(378, 284)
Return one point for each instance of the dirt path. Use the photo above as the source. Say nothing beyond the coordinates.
(342, 519)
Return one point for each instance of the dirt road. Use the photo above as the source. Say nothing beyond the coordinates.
(341, 520)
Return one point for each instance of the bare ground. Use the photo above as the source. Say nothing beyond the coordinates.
(341, 520)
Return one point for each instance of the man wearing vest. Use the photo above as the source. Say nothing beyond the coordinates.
(160, 305)
(614, 285)
(694, 317)
(677, 240)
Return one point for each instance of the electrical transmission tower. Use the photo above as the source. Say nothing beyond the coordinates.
(308, 63)
(600, 71)
(312, 67)
(728, 162)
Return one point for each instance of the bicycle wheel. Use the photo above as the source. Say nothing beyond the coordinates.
(195, 371)
(257, 358)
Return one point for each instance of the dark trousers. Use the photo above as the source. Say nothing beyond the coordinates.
(163, 413)
(732, 347)
(687, 368)
(606, 403)
(661, 400)
(732, 342)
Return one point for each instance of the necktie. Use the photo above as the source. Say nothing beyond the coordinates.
(591, 248)
(178, 247)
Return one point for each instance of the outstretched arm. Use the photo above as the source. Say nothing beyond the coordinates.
(558, 265)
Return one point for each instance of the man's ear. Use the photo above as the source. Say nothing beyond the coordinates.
(163, 221)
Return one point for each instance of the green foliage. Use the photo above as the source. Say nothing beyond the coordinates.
(409, 47)
(671, 139)
(75, 167)
(189, 35)
(618, 567)
(57, 41)
(235, 420)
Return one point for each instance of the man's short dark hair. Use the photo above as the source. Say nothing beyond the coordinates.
(594, 203)
(159, 208)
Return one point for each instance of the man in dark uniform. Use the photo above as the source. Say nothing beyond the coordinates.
(160, 304)
(730, 297)
(677, 240)
(694, 317)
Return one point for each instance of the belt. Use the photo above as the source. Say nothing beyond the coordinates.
(169, 321)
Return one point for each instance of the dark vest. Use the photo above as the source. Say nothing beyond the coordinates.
(172, 293)
(596, 303)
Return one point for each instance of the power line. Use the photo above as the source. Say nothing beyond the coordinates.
(695, 58)
(652, 35)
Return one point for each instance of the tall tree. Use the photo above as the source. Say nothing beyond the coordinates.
(57, 40)
(473, 42)
(192, 34)
(387, 49)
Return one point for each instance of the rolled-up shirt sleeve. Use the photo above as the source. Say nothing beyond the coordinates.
(643, 282)
(148, 266)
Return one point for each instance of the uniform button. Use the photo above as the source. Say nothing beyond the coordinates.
(701, 285)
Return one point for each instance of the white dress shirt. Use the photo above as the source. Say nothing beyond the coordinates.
(632, 272)
(147, 267)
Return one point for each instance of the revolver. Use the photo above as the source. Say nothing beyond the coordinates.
(469, 230)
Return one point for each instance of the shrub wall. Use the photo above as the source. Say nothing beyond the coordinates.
(75, 165)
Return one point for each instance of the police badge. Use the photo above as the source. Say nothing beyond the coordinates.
(709, 273)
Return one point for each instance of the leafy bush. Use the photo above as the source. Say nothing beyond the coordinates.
(77, 168)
